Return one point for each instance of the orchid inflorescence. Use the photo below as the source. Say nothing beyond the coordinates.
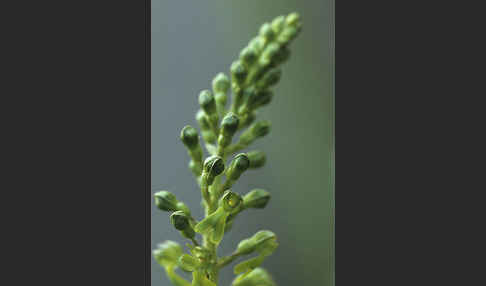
(253, 75)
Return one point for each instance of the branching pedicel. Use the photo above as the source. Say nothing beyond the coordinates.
(252, 77)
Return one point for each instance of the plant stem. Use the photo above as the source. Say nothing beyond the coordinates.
(227, 260)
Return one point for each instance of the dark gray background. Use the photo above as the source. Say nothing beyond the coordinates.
(191, 42)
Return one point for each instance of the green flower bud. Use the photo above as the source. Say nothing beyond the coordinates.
(258, 241)
(269, 53)
(246, 246)
(250, 118)
(282, 56)
(229, 125)
(167, 253)
(293, 19)
(221, 99)
(221, 83)
(257, 276)
(278, 24)
(256, 99)
(261, 128)
(183, 208)
(231, 201)
(287, 35)
(257, 44)
(248, 55)
(202, 120)
(207, 103)
(256, 130)
(179, 220)
(213, 166)
(188, 262)
(238, 72)
(267, 247)
(238, 165)
(166, 201)
(190, 137)
(257, 198)
(269, 79)
(257, 159)
(263, 239)
(267, 32)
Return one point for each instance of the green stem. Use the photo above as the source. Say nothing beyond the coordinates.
(175, 278)
(227, 260)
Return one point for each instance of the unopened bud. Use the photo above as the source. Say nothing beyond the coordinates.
(257, 276)
(260, 128)
(238, 165)
(165, 201)
(213, 166)
(293, 19)
(267, 32)
(248, 56)
(287, 35)
(257, 44)
(257, 159)
(221, 83)
(257, 99)
(278, 24)
(229, 125)
(269, 53)
(202, 120)
(189, 137)
(271, 78)
(257, 198)
(238, 72)
(256, 242)
(180, 221)
(207, 103)
(167, 253)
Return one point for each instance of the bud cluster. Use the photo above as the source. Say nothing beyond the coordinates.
(252, 77)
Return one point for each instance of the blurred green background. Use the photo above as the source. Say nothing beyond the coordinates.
(194, 40)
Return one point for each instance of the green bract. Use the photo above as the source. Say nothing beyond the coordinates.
(252, 77)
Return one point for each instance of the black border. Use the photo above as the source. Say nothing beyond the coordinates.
(148, 124)
(76, 135)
